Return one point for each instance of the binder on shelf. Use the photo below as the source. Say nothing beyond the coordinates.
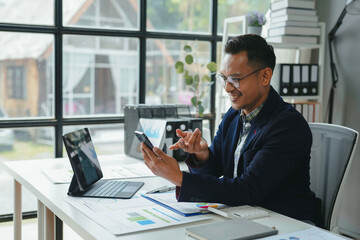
(285, 79)
(305, 83)
(157, 111)
(170, 110)
(296, 80)
(314, 79)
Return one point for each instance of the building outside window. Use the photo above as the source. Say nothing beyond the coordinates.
(15, 81)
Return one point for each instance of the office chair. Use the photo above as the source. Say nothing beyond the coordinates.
(331, 159)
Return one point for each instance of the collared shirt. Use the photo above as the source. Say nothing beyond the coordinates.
(246, 120)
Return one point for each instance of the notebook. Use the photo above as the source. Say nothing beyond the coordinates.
(234, 229)
(87, 171)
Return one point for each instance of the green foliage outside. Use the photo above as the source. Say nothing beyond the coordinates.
(28, 150)
(196, 76)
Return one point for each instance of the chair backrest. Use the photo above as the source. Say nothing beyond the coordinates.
(331, 158)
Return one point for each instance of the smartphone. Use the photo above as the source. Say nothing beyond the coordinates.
(143, 138)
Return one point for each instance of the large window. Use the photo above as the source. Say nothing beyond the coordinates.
(75, 63)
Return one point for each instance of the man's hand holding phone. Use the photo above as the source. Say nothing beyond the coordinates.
(144, 139)
(159, 162)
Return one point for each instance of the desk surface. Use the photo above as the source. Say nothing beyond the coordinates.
(28, 174)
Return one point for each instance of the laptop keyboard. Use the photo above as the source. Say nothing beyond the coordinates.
(108, 189)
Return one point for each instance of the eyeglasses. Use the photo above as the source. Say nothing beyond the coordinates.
(235, 82)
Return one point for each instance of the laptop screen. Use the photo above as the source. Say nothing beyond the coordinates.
(82, 155)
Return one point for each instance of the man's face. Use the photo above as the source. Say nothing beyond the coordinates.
(252, 90)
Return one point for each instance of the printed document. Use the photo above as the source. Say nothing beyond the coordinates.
(122, 216)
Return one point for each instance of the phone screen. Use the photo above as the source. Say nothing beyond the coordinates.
(143, 138)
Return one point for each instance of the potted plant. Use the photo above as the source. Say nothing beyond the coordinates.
(196, 76)
(255, 22)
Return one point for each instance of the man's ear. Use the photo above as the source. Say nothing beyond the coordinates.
(266, 77)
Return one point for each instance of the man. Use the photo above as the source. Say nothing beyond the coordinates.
(261, 152)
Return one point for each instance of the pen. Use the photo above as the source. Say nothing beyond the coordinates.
(162, 189)
(208, 206)
(219, 212)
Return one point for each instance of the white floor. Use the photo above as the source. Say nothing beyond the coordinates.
(29, 230)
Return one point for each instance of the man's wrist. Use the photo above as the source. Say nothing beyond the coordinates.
(178, 179)
(202, 156)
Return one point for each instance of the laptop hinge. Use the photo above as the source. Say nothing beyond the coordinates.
(74, 187)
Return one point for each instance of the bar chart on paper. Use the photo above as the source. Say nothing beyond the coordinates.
(121, 216)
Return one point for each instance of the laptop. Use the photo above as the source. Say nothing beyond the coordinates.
(87, 171)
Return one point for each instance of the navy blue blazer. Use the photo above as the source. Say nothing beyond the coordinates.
(273, 170)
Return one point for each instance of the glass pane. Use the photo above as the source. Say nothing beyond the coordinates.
(22, 144)
(110, 14)
(27, 12)
(225, 102)
(163, 84)
(100, 75)
(107, 138)
(179, 16)
(26, 75)
(234, 8)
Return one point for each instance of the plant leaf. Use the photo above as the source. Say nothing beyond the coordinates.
(211, 66)
(186, 73)
(179, 66)
(201, 110)
(188, 80)
(205, 78)
(187, 48)
(196, 79)
(194, 101)
(189, 59)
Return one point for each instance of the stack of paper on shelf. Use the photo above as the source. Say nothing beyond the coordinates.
(293, 21)
(309, 110)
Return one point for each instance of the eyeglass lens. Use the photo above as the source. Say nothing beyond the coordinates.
(233, 81)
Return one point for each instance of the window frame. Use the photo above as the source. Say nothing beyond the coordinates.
(58, 31)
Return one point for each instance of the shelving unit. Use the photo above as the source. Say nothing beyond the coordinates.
(223, 104)
(320, 61)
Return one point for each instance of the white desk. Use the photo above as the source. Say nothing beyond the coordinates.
(51, 202)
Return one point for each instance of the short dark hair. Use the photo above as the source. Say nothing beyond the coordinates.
(259, 52)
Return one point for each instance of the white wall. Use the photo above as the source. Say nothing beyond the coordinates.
(347, 96)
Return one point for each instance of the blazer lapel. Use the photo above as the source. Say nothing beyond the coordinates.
(237, 129)
(260, 120)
